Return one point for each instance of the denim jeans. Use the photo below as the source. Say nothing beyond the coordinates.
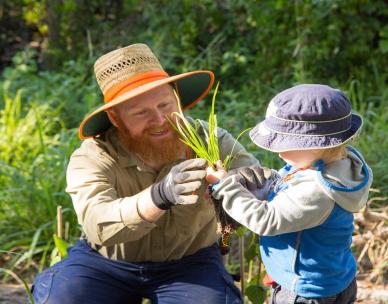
(87, 277)
(280, 295)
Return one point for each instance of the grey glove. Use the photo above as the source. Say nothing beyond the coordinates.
(255, 177)
(178, 185)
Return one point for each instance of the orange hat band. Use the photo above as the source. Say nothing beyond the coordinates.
(132, 83)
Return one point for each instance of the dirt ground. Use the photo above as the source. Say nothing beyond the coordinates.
(15, 294)
(12, 294)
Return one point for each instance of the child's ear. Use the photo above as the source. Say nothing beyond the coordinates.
(112, 115)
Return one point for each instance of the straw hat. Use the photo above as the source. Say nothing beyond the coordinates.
(133, 70)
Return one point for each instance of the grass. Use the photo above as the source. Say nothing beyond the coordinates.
(35, 149)
(190, 134)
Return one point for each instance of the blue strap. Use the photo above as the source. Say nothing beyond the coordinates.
(215, 186)
(285, 170)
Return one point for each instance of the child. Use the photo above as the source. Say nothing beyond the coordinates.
(306, 222)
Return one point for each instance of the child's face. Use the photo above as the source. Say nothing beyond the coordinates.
(300, 159)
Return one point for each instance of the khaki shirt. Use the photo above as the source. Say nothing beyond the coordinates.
(104, 180)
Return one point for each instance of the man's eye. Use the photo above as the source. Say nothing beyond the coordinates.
(140, 113)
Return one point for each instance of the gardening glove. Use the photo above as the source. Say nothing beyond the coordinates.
(178, 186)
(258, 180)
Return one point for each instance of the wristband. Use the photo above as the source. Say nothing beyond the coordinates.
(159, 198)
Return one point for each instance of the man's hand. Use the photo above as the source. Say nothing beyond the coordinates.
(178, 186)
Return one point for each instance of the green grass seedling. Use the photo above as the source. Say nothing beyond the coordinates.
(190, 134)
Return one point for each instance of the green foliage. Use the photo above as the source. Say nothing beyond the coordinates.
(33, 158)
(255, 292)
(72, 92)
(61, 245)
(60, 250)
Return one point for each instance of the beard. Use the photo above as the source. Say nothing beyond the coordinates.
(149, 150)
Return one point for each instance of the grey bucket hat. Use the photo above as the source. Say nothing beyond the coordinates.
(306, 116)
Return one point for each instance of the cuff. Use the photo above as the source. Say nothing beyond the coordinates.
(130, 215)
(215, 186)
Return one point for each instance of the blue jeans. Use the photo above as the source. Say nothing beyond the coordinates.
(87, 277)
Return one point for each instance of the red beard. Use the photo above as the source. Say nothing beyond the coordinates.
(162, 152)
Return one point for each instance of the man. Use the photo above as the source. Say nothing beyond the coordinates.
(138, 192)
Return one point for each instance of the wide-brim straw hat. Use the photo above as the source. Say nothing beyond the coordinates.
(305, 117)
(131, 71)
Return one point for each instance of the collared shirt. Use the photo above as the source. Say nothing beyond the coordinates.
(105, 181)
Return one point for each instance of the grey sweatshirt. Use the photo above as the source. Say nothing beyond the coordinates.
(309, 197)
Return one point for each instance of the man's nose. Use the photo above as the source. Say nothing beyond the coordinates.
(158, 118)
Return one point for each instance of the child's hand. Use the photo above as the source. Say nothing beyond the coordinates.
(214, 175)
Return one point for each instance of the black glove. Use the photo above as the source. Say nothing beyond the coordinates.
(178, 185)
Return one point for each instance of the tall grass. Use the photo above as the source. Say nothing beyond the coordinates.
(370, 99)
(34, 151)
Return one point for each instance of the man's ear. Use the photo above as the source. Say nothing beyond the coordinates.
(112, 115)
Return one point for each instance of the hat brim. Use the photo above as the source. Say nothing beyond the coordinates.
(192, 87)
(280, 142)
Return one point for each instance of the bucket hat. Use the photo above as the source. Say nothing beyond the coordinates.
(127, 72)
(306, 116)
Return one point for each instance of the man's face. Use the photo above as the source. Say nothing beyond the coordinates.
(145, 115)
(144, 128)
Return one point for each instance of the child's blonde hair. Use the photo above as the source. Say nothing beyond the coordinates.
(329, 155)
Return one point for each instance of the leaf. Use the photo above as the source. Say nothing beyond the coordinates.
(61, 245)
(55, 257)
(228, 160)
(383, 46)
(252, 251)
(256, 293)
(241, 231)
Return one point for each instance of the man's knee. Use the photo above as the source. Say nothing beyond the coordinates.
(42, 287)
(57, 285)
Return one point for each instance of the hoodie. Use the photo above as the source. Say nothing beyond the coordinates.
(306, 224)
